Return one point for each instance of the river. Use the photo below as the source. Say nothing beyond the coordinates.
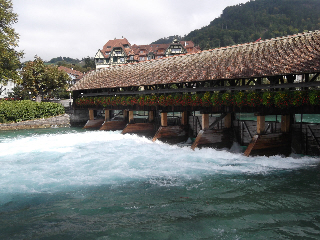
(68, 183)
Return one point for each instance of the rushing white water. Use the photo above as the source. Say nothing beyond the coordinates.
(54, 162)
(76, 184)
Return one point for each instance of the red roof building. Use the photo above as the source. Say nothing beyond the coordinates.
(73, 74)
(120, 51)
(292, 55)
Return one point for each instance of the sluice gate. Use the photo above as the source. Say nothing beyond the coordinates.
(220, 131)
(276, 77)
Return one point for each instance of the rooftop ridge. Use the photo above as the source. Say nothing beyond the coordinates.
(295, 54)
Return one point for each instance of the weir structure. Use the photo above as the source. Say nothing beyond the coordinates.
(255, 94)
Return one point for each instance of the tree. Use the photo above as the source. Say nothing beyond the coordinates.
(256, 19)
(18, 92)
(40, 79)
(9, 58)
(89, 63)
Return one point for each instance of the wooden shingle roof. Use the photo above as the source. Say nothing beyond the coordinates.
(295, 54)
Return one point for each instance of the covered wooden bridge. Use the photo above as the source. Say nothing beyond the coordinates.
(274, 77)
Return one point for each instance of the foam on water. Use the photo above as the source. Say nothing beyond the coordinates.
(55, 162)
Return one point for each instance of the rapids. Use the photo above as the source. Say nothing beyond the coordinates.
(77, 184)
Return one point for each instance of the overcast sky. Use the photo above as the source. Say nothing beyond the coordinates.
(78, 28)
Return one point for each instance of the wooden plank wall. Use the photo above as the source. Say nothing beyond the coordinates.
(306, 139)
(171, 134)
(97, 123)
(143, 129)
(216, 138)
(196, 125)
(113, 125)
(242, 132)
(269, 144)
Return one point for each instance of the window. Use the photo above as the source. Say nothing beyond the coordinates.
(108, 46)
(131, 57)
(99, 60)
(176, 50)
(141, 58)
(122, 59)
(115, 59)
(141, 51)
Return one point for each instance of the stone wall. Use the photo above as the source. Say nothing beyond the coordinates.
(78, 117)
(57, 121)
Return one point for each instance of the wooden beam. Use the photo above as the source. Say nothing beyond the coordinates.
(184, 118)
(125, 115)
(205, 121)
(151, 116)
(210, 89)
(131, 119)
(227, 121)
(107, 115)
(91, 114)
(285, 123)
(164, 119)
(314, 77)
(260, 124)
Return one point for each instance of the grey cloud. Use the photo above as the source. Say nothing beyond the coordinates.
(78, 28)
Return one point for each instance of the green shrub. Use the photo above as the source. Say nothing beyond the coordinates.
(16, 111)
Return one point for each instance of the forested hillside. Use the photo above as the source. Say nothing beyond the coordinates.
(167, 40)
(83, 65)
(263, 19)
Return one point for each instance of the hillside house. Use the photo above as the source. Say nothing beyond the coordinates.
(120, 51)
(74, 75)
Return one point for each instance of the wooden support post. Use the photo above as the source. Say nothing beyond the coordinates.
(131, 117)
(125, 115)
(285, 123)
(227, 121)
(184, 118)
(106, 115)
(151, 116)
(91, 114)
(205, 121)
(260, 124)
(164, 119)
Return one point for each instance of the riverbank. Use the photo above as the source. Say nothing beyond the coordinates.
(56, 121)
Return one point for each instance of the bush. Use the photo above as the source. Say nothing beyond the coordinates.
(16, 111)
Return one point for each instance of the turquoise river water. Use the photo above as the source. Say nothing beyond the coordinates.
(70, 183)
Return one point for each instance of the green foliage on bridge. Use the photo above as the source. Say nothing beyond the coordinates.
(278, 99)
(17, 111)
